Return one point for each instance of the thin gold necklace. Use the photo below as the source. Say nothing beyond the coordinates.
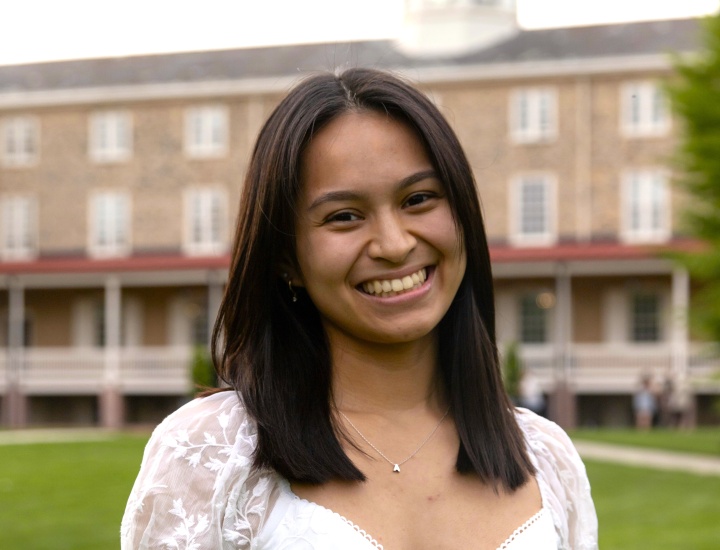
(396, 465)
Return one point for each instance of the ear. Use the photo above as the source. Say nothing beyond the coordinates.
(288, 272)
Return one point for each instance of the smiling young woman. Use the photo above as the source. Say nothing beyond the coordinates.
(373, 213)
(357, 331)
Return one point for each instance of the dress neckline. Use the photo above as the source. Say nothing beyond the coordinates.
(506, 545)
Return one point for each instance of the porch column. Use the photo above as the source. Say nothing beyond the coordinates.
(679, 323)
(679, 334)
(111, 400)
(562, 406)
(216, 284)
(15, 401)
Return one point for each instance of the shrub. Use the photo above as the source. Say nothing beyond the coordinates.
(203, 371)
(512, 371)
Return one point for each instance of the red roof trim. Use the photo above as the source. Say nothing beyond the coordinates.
(588, 251)
(498, 254)
(141, 263)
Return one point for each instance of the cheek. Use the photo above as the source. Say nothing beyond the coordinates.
(446, 237)
(322, 259)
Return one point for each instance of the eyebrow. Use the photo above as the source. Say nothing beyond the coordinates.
(339, 196)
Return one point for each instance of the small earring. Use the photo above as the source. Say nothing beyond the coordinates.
(292, 290)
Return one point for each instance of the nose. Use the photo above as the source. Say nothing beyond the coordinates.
(391, 239)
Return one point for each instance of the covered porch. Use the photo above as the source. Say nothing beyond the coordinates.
(95, 341)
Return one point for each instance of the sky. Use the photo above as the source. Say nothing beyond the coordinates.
(45, 30)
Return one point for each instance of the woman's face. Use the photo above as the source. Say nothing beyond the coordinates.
(377, 247)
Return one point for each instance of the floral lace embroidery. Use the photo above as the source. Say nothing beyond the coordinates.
(524, 527)
(187, 530)
(224, 451)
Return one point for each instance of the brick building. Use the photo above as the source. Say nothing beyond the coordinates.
(119, 181)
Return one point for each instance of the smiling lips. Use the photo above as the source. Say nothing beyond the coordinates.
(392, 287)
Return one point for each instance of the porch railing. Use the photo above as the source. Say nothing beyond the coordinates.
(614, 369)
(147, 370)
(589, 369)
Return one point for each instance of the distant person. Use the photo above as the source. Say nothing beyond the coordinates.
(531, 394)
(680, 402)
(357, 340)
(664, 413)
(644, 404)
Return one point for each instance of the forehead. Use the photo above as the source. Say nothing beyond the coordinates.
(362, 148)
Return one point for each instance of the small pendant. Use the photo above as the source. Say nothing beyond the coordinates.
(396, 468)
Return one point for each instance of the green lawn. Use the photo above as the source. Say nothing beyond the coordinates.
(701, 440)
(66, 496)
(71, 496)
(640, 509)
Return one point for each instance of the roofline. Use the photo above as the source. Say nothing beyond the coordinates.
(545, 68)
(251, 86)
(499, 254)
(144, 92)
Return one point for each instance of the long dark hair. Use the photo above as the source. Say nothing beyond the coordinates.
(274, 352)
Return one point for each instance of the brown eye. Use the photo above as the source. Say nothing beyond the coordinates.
(418, 198)
(342, 217)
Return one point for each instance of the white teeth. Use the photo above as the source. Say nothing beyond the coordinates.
(392, 287)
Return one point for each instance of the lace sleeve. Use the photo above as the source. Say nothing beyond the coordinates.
(563, 482)
(196, 488)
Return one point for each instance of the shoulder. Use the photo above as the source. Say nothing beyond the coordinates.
(562, 478)
(202, 434)
(541, 433)
(553, 453)
(219, 412)
(197, 462)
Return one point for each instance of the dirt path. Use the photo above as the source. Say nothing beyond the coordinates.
(649, 458)
(54, 435)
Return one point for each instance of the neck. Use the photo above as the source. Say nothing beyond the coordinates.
(369, 377)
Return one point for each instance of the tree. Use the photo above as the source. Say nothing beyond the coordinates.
(695, 97)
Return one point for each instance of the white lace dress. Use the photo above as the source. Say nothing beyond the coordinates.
(196, 490)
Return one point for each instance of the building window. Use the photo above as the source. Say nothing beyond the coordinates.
(110, 224)
(199, 326)
(645, 206)
(533, 210)
(205, 221)
(644, 110)
(99, 334)
(20, 141)
(18, 228)
(533, 115)
(206, 132)
(111, 136)
(645, 317)
(533, 319)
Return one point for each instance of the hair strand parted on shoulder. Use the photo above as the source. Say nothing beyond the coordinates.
(274, 352)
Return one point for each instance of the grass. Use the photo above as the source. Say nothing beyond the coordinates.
(66, 496)
(641, 508)
(704, 441)
(71, 496)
